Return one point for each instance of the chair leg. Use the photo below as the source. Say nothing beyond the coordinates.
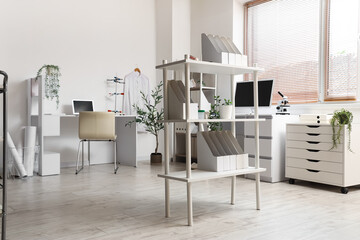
(82, 154)
(78, 158)
(89, 152)
(116, 163)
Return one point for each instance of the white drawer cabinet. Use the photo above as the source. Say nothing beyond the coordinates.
(309, 155)
(272, 145)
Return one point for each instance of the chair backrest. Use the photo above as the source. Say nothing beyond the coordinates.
(97, 125)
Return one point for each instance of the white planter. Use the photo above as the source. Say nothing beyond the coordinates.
(226, 111)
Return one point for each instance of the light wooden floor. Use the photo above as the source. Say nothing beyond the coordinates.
(96, 204)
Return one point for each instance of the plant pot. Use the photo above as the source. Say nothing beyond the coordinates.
(226, 111)
(155, 158)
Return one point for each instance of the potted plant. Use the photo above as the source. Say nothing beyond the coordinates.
(52, 84)
(338, 121)
(214, 113)
(151, 117)
(226, 109)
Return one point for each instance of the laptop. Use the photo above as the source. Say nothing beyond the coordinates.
(81, 105)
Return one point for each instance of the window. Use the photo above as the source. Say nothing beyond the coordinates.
(343, 60)
(283, 36)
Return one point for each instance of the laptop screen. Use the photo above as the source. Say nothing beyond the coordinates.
(79, 105)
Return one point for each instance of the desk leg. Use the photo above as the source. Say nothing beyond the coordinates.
(89, 152)
(82, 154)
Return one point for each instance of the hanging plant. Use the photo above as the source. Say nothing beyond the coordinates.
(52, 84)
(339, 120)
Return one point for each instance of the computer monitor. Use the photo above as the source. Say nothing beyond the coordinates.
(81, 105)
(244, 96)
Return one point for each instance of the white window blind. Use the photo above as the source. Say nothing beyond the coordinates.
(343, 50)
(283, 38)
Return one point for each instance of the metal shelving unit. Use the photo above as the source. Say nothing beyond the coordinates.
(3, 91)
(188, 176)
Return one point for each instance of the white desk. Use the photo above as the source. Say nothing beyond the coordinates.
(101, 152)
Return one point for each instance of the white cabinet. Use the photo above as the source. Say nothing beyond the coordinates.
(48, 125)
(309, 155)
(272, 145)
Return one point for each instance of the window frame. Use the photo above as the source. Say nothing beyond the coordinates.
(323, 49)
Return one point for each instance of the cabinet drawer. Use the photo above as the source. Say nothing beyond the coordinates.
(264, 163)
(314, 137)
(264, 148)
(315, 165)
(51, 125)
(264, 128)
(314, 155)
(324, 129)
(325, 146)
(314, 176)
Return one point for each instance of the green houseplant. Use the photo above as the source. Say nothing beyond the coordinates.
(214, 113)
(226, 109)
(151, 117)
(338, 121)
(52, 83)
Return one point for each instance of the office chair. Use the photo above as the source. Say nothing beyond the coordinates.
(96, 126)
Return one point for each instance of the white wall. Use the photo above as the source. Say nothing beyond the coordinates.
(90, 41)
(215, 17)
(172, 37)
(181, 21)
(210, 16)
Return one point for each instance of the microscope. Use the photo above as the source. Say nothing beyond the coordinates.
(283, 108)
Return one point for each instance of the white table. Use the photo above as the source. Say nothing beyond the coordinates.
(101, 152)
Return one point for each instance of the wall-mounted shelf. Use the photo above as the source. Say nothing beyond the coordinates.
(186, 65)
(48, 125)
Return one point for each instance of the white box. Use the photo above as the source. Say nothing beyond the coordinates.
(49, 164)
(233, 162)
(232, 59)
(206, 156)
(242, 161)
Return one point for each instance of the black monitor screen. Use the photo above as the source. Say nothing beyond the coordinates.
(245, 93)
(82, 106)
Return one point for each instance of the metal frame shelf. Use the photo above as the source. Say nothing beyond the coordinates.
(3, 90)
(187, 65)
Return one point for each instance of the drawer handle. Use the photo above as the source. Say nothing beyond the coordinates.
(312, 160)
(310, 170)
(312, 150)
(313, 134)
(312, 126)
(312, 142)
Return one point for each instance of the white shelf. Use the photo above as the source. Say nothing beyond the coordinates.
(50, 152)
(199, 175)
(203, 88)
(214, 120)
(209, 67)
(188, 66)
